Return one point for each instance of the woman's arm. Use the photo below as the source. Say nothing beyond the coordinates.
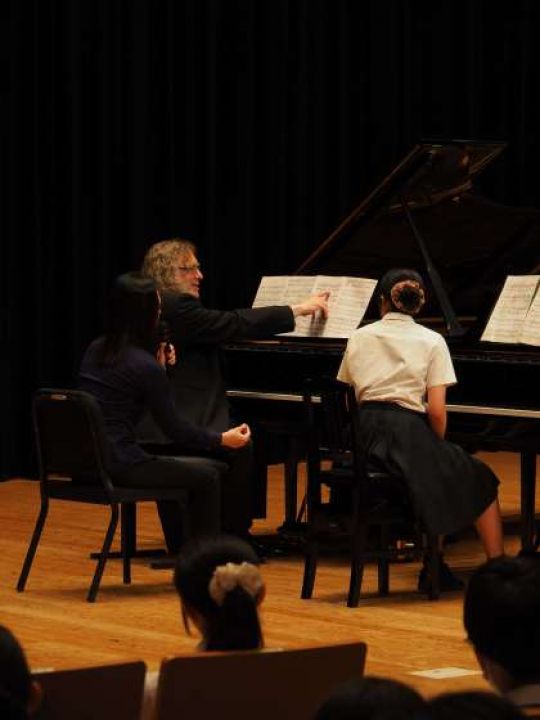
(436, 409)
(158, 399)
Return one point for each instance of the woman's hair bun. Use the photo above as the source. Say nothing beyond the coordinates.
(407, 296)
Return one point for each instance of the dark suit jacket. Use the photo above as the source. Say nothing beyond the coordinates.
(197, 379)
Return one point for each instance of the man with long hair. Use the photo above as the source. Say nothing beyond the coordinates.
(197, 382)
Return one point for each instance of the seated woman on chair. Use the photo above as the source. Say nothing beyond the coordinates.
(125, 371)
(400, 371)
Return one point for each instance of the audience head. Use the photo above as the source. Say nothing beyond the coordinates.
(502, 618)
(19, 694)
(473, 705)
(402, 290)
(371, 698)
(132, 315)
(220, 588)
(173, 265)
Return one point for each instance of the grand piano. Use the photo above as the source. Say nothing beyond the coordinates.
(425, 214)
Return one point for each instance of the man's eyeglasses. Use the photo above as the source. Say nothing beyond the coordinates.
(190, 268)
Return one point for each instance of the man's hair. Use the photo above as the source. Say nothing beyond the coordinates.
(162, 259)
(501, 614)
(234, 624)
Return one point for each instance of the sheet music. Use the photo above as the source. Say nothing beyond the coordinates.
(507, 320)
(272, 291)
(299, 288)
(318, 327)
(531, 327)
(347, 304)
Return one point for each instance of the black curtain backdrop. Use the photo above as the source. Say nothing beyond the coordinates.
(249, 126)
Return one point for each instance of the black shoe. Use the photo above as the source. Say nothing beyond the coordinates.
(267, 551)
(264, 550)
(448, 582)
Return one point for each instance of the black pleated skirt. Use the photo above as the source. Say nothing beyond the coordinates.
(448, 487)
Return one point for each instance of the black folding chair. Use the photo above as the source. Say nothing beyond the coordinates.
(361, 499)
(72, 453)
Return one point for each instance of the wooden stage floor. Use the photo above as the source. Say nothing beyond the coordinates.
(58, 628)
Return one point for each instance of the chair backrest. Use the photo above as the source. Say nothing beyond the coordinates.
(108, 692)
(334, 435)
(328, 417)
(69, 434)
(264, 684)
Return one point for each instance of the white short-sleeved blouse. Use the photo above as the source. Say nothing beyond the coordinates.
(396, 360)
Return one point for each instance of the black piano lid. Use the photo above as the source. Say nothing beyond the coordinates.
(473, 243)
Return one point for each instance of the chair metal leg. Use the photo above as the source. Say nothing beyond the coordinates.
(129, 515)
(310, 569)
(359, 540)
(127, 538)
(36, 535)
(104, 554)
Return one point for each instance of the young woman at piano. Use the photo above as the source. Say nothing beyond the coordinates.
(400, 371)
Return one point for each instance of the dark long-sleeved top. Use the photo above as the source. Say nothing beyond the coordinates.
(197, 380)
(134, 384)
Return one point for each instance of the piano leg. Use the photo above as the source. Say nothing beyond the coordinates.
(528, 497)
(260, 479)
(291, 496)
(277, 444)
(296, 452)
